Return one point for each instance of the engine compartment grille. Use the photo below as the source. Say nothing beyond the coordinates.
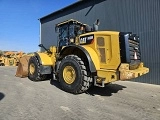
(134, 51)
(130, 49)
(101, 48)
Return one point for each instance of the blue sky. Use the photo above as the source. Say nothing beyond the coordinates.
(19, 24)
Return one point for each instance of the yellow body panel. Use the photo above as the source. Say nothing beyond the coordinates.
(94, 56)
(48, 59)
(110, 56)
(45, 59)
(107, 75)
(108, 52)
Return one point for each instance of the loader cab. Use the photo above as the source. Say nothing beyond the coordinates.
(68, 31)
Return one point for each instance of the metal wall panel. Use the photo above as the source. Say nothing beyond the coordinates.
(137, 16)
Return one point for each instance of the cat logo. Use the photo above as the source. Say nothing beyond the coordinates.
(83, 40)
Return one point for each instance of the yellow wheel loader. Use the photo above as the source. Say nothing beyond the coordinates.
(11, 58)
(85, 57)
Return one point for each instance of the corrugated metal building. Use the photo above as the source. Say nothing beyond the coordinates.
(137, 16)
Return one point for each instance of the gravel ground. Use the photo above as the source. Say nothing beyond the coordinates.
(22, 99)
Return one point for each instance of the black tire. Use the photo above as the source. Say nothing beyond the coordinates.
(81, 80)
(1, 64)
(35, 74)
(88, 72)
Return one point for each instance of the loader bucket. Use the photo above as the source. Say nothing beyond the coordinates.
(22, 69)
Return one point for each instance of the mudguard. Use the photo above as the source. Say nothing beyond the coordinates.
(45, 62)
(44, 59)
(94, 57)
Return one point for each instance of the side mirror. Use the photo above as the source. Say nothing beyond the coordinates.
(40, 45)
(48, 51)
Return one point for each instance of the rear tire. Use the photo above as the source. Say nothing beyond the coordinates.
(34, 70)
(73, 75)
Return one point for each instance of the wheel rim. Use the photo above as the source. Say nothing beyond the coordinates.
(69, 74)
(32, 68)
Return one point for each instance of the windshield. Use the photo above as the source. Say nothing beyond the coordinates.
(63, 32)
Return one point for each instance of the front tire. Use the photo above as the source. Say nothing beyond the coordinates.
(73, 75)
(34, 70)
